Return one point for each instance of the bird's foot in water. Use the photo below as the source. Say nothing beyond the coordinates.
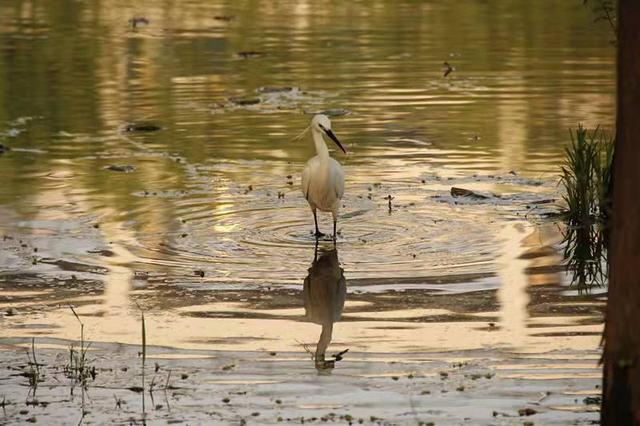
(319, 234)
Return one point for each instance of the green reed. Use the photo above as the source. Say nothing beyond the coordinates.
(586, 177)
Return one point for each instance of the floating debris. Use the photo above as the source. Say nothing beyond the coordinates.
(448, 69)
(138, 20)
(412, 141)
(199, 273)
(544, 201)
(269, 99)
(334, 112)
(250, 54)
(389, 198)
(226, 18)
(275, 89)
(526, 412)
(102, 252)
(461, 192)
(66, 265)
(592, 400)
(245, 101)
(141, 127)
(125, 168)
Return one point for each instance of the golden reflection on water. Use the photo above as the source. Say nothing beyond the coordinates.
(512, 294)
(117, 304)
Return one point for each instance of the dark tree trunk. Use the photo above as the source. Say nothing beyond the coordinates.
(621, 383)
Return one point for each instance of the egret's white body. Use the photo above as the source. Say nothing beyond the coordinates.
(323, 177)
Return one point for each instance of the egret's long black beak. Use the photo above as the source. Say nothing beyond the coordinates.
(335, 139)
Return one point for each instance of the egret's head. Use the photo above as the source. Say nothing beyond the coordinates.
(321, 124)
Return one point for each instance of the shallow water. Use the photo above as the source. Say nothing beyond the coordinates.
(196, 231)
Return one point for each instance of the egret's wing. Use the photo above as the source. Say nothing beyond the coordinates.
(338, 179)
(306, 175)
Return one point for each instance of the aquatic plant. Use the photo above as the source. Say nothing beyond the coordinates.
(586, 177)
(604, 10)
(78, 369)
(33, 374)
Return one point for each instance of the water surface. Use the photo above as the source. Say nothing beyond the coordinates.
(208, 231)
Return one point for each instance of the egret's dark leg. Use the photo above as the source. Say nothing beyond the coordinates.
(335, 221)
(315, 220)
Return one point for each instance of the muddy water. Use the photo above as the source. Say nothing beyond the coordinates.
(207, 230)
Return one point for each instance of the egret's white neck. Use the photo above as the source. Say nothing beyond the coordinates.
(321, 147)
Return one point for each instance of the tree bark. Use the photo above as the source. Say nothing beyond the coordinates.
(621, 379)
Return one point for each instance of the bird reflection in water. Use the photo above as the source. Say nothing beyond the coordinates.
(324, 293)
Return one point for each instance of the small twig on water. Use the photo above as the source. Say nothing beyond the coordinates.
(144, 357)
(307, 349)
(166, 384)
(118, 402)
(389, 198)
(33, 351)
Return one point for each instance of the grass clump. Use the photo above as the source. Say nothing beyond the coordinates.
(586, 177)
(78, 369)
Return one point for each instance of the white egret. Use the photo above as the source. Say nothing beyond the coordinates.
(323, 178)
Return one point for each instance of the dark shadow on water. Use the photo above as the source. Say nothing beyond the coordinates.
(324, 294)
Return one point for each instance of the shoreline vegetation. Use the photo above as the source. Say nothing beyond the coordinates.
(587, 178)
